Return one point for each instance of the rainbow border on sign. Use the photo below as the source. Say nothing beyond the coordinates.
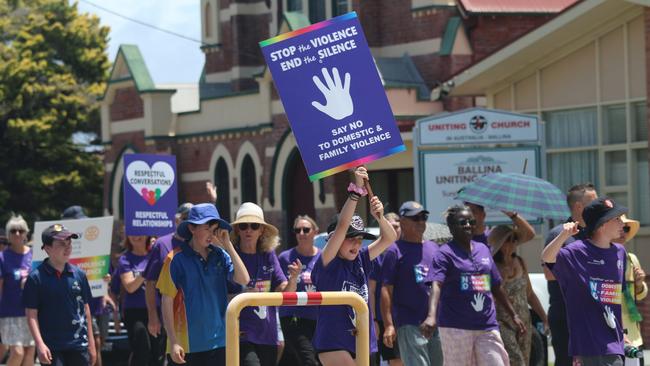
(356, 163)
(310, 28)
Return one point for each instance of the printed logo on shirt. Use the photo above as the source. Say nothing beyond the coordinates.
(606, 292)
(597, 262)
(619, 264)
(352, 287)
(260, 286)
(267, 269)
(305, 278)
(421, 271)
(485, 261)
(475, 282)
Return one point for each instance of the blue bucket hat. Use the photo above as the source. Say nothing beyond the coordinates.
(200, 214)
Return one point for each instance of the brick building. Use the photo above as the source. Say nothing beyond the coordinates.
(231, 127)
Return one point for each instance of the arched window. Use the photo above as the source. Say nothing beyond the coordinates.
(248, 180)
(207, 16)
(222, 180)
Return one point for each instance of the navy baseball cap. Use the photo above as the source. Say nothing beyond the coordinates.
(57, 232)
(74, 212)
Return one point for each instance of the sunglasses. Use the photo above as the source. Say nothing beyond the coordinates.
(244, 226)
(416, 218)
(464, 222)
(626, 229)
(305, 230)
(17, 231)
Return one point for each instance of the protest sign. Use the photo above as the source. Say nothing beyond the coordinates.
(332, 95)
(90, 252)
(150, 197)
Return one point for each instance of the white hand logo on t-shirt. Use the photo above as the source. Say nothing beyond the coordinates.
(337, 94)
(610, 319)
(261, 312)
(310, 288)
(477, 304)
(353, 317)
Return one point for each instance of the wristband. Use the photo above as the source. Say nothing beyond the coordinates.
(354, 196)
(361, 191)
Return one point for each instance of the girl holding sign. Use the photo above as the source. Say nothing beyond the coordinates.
(344, 265)
(255, 241)
(147, 350)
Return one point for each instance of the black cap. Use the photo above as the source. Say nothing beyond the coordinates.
(74, 212)
(599, 211)
(356, 228)
(57, 232)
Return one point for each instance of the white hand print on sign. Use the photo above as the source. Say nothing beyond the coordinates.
(337, 95)
(477, 304)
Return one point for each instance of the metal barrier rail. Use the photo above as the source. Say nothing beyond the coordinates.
(297, 299)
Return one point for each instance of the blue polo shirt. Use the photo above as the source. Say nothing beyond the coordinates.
(199, 289)
(60, 298)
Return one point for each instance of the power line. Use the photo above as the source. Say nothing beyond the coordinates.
(141, 22)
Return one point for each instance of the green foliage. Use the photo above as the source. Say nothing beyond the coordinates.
(53, 65)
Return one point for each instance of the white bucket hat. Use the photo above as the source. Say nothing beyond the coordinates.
(251, 213)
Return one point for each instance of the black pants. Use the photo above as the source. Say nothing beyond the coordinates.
(251, 354)
(298, 349)
(70, 358)
(145, 349)
(215, 357)
(560, 335)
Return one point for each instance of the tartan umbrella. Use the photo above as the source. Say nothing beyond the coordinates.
(521, 193)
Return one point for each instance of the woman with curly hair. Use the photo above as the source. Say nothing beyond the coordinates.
(255, 241)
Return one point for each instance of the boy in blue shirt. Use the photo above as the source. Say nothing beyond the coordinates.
(56, 299)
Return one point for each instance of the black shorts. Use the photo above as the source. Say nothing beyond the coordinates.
(386, 353)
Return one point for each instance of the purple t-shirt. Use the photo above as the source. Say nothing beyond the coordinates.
(591, 280)
(157, 255)
(377, 276)
(466, 300)
(130, 262)
(13, 268)
(406, 267)
(258, 324)
(482, 238)
(304, 283)
(336, 324)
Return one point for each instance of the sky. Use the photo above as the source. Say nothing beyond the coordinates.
(170, 59)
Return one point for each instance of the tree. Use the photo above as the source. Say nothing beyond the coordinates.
(53, 65)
